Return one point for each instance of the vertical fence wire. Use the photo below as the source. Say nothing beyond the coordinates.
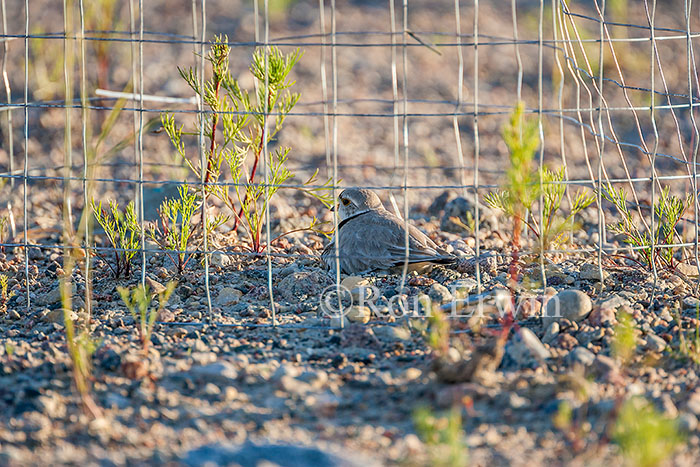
(460, 97)
(651, 18)
(404, 120)
(68, 102)
(266, 164)
(540, 129)
(477, 150)
(8, 94)
(600, 139)
(336, 226)
(695, 138)
(84, 106)
(324, 85)
(395, 103)
(25, 171)
(202, 160)
(140, 198)
(135, 86)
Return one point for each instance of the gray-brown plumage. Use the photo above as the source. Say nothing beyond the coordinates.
(373, 239)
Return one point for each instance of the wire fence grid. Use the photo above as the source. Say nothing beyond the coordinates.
(613, 89)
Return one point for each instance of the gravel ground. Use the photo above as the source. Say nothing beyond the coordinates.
(228, 388)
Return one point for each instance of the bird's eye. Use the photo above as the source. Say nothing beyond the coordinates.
(345, 201)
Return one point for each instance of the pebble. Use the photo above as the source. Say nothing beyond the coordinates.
(221, 373)
(359, 314)
(525, 345)
(569, 304)
(228, 296)
(687, 422)
(392, 333)
(582, 356)
(590, 272)
(551, 333)
(220, 259)
(655, 343)
(440, 293)
(56, 316)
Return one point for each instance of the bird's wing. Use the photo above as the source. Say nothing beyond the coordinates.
(377, 240)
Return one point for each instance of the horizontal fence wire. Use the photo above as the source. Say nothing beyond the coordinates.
(602, 116)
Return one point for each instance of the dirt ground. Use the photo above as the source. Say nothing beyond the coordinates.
(226, 387)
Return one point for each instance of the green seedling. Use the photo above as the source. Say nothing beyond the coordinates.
(138, 302)
(122, 230)
(522, 190)
(246, 129)
(443, 435)
(175, 229)
(668, 211)
(645, 436)
(4, 295)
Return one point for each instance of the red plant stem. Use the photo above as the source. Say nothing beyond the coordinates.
(255, 167)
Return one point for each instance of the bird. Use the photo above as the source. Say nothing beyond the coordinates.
(370, 238)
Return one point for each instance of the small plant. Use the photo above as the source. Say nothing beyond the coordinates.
(122, 231)
(138, 302)
(4, 230)
(522, 188)
(81, 347)
(443, 435)
(645, 437)
(438, 336)
(625, 341)
(4, 295)
(668, 211)
(243, 122)
(689, 344)
(175, 229)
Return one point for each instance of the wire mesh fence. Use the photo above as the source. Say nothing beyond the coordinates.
(406, 98)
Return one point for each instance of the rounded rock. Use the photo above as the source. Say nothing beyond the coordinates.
(571, 304)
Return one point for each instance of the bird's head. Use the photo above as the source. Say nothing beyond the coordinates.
(356, 200)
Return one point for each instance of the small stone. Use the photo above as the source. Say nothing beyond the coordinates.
(440, 293)
(392, 333)
(48, 298)
(694, 402)
(220, 259)
(551, 333)
(463, 287)
(655, 343)
(359, 314)
(602, 316)
(582, 356)
(154, 286)
(687, 422)
(222, 373)
(211, 389)
(56, 316)
(463, 210)
(590, 272)
(571, 304)
(525, 345)
(690, 270)
(228, 296)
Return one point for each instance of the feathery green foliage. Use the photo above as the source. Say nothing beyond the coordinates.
(646, 437)
(138, 302)
(668, 211)
(175, 229)
(243, 118)
(522, 188)
(443, 435)
(122, 230)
